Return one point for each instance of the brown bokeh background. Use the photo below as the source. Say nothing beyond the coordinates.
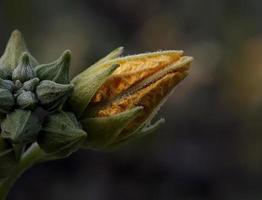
(211, 145)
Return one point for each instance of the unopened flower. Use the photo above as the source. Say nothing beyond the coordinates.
(118, 97)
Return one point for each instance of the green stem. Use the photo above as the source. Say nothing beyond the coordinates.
(33, 155)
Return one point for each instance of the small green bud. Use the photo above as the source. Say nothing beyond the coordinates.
(61, 134)
(31, 84)
(7, 158)
(14, 49)
(57, 71)
(21, 127)
(24, 70)
(7, 84)
(18, 84)
(7, 100)
(51, 95)
(104, 131)
(86, 85)
(27, 100)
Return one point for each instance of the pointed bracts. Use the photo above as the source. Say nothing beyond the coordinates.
(24, 71)
(61, 134)
(15, 48)
(57, 71)
(20, 127)
(52, 95)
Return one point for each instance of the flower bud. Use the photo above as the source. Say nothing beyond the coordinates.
(57, 71)
(52, 95)
(14, 49)
(27, 100)
(18, 84)
(7, 101)
(144, 80)
(7, 84)
(61, 134)
(20, 127)
(24, 71)
(31, 84)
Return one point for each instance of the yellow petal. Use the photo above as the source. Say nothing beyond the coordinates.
(132, 70)
(148, 97)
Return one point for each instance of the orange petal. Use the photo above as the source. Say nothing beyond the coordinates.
(132, 70)
(149, 97)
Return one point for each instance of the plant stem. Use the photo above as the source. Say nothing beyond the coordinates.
(33, 155)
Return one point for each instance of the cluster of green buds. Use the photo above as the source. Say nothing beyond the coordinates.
(107, 105)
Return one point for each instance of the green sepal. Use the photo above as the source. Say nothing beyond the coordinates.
(14, 49)
(24, 71)
(151, 128)
(52, 95)
(7, 84)
(7, 158)
(61, 134)
(86, 85)
(20, 127)
(112, 55)
(104, 131)
(57, 71)
(7, 100)
(136, 135)
(27, 100)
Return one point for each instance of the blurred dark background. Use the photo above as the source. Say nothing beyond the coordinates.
(211, 145)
